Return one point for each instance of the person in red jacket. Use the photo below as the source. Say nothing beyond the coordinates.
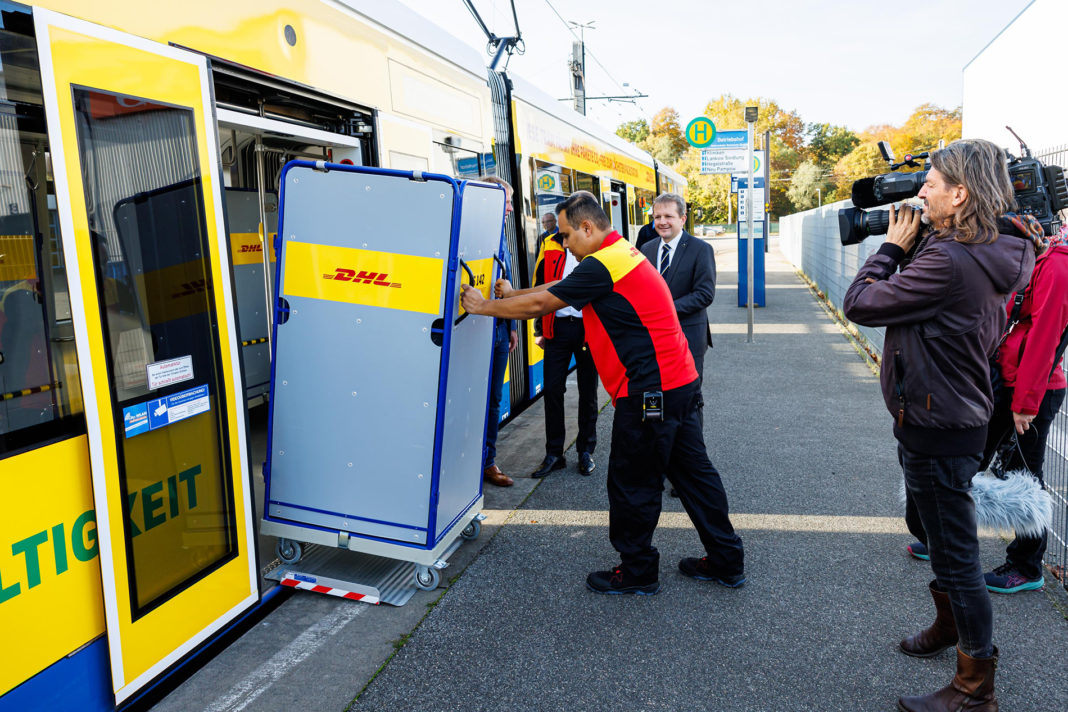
(1033, 393)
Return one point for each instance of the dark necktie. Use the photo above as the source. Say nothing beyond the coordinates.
(665, 258)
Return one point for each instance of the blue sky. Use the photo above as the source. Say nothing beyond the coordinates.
(855, 63)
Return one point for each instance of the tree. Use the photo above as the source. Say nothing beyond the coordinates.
(826, 143)
(634, 131)
(707, 194)
(666, 129)
(728, 113)
(922, 131)
(787, 138)
(803, 186)
(862, 162)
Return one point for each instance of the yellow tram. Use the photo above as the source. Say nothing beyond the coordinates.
(141, 151)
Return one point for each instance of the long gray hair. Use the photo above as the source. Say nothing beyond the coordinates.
(980, 167)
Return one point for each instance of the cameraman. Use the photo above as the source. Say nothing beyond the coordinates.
(944, 312)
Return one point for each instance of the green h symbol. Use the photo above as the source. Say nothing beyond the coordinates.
(700, 132)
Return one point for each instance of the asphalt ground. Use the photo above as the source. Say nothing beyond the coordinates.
(795, 424)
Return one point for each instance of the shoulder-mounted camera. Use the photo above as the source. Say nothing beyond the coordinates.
(1040, 191)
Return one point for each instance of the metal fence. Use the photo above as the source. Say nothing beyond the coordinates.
(810, 241)
(1055, 470)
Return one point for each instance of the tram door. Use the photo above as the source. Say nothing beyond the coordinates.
(139, 194)
(254, 150)
(616, 202)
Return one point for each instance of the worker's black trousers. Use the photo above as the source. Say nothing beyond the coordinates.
(643, 452)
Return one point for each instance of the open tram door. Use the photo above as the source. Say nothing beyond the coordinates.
(254, 149)
(135, 160)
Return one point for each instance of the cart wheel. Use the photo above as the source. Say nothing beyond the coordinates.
(472, 530)
(289, 551)
(427, 579)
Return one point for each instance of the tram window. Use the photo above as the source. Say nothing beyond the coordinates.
(456, 162)
(144, 200)
(643, 205)
(584, 181)
(40, 391)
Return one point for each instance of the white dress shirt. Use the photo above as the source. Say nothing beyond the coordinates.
(570, 263)
(671, 245)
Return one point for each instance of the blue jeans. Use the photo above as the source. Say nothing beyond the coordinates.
(496, 384)
(939, 511)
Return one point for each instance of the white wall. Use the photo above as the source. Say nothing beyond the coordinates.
(810, 240)
(1015, 81)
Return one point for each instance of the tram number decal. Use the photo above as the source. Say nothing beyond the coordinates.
(361, 277)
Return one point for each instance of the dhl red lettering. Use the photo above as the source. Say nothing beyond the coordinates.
(344, 275)
(379, 279)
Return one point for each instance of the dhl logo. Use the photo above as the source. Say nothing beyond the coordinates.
(379, 279)
(251, 248)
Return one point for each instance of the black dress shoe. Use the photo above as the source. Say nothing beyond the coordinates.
(550, 463)
(586, 464)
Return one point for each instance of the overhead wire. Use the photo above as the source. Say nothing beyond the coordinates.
(644, 110)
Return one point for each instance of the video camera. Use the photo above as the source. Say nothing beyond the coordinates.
(1040, 191)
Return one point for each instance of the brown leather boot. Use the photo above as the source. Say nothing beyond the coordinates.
(972, 689)
(942, 633)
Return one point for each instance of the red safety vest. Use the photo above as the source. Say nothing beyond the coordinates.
(552, 256)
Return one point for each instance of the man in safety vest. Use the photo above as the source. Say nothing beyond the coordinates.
(646, 366)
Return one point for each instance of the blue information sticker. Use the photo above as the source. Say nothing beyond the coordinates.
(135, 419)
(161, 412)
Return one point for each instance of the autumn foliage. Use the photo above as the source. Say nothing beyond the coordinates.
(809, 161)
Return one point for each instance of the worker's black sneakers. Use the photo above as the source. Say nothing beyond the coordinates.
(618, 582)
(700, 570)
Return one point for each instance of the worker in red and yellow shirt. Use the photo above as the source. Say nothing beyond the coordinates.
(645, 364)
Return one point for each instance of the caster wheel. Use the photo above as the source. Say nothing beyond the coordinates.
(427, 579)
(289, 551)
(472, 530)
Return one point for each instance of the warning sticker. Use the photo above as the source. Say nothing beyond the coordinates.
(166, 373)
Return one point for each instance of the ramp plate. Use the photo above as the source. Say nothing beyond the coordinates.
(375, 579)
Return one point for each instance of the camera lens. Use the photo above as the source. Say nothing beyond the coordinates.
(854, 224)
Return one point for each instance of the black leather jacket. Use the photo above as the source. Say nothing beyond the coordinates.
(944, 314)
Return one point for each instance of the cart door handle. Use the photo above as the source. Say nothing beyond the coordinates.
(471, 276)
(504, 268)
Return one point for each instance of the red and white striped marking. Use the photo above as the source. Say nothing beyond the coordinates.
(339, 592)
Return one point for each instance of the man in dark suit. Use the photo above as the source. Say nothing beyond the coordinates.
(688, 265)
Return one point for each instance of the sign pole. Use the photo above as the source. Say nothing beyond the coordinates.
(750, 122)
